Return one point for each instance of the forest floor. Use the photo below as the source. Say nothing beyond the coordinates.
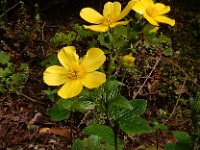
(19, 112)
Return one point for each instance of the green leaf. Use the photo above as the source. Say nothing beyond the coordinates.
(183, 141)
(120, 101)
(4, 57)
(133, 124)
(129, 119)
(111, 88)
(93, 142)
(58, 114)
(138, 107)
(170, 146)
(82, 106)
(102, 131)
(49, 61)
(83, 32)
(61, 110)
(50, 93)
(5, 72)
(61, 38)
(103, 39)
(182, 137)
(77, 145)
(168, 52)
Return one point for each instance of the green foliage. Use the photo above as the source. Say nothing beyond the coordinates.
(63, 107)
(61, 39)
(118, 37)
(91, 143)
(129, 119)
(183, 141)
(12, 77)
(49, 61)
(104, 133)
(58, 112)
(50, 93)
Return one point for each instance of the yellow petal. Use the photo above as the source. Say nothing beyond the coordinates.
(112, 9)
(93, 59)
(147, 3)
(126, 10)
(92, 16)
(70, 89)
(119, 23)
(68, 57)
(164, 19)
(139, 7)
(150, 19)
(97, 28)
(161, 8)
(55, 75)
(93, 79)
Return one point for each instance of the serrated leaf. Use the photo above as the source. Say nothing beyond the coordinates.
(102, 131)
(138, 107)
(120, 101)
(111, 87)
(83, 106)
(61, 38)
(4, 58)
(133, 124)
(130, 120)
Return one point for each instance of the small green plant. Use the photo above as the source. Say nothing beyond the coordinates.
(183, 141)
(90, 85)
(12, 77)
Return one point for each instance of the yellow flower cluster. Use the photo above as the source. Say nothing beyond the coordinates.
(112, 14)
(75, 73)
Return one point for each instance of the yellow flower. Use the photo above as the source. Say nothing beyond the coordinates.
(154, 13)
(111, 17)
(127, 60)
(75, 73)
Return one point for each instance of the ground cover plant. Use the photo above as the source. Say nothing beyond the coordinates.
(111, 79)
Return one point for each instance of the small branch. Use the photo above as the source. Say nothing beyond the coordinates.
(42, 31)
(179, 97)
(154, 67)
(29, 98)
(9, 9)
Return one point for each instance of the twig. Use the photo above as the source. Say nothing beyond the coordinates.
(154, 67)
(9, 9)
(29, 98)
(42, 31)
(179, 97)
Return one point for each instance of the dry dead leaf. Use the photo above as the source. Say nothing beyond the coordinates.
(56, 131)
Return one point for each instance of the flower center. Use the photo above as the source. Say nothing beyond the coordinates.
(151, 11)
(76, 73)
(107, 20)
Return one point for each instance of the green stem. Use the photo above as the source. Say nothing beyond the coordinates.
(115, 130)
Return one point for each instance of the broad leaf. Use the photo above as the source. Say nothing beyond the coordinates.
(102, 131)
(57, 114)
(134, 125)
(120, 101)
